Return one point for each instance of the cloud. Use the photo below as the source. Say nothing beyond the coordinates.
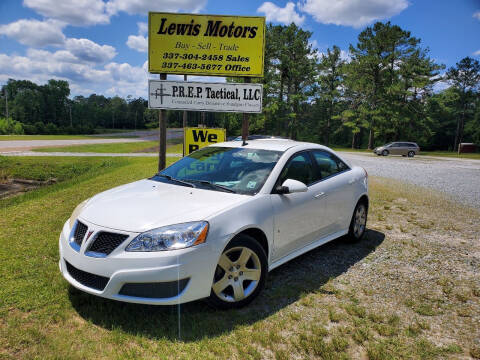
(139, 42)
(356, 13)
(34, 32)
(476, 53)
(40, 65)
(476, 15)
(78, 12)
(285, 15)
(142, 28)
(142, 7)
(89, 51)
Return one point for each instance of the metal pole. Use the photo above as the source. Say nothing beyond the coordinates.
(184, 111)
(245, 120)
(162, 132)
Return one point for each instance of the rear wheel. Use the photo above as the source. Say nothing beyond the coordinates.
(240, 274)
(385, 152)
(411, 153)
(358, 224)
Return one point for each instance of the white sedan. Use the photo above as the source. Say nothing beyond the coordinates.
(213, 224)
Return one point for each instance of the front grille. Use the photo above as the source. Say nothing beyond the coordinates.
(80, 232)
(106, 242)
(93, 281)
(158, 290)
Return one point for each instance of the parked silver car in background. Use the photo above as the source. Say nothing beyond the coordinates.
(409, 149)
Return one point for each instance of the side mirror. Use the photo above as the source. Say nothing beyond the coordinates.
(290, 186)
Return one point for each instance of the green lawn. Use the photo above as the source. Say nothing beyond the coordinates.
(318, 306)
(133, 147)
(426, 153)
(43, 137)
(451, 154)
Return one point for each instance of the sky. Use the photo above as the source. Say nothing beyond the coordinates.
(100, 46)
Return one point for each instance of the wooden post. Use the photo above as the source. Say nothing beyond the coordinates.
(184, 111)
(162, 131)
(245, 120)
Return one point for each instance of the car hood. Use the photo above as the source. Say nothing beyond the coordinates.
(146, 204)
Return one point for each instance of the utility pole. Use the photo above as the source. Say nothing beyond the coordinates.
(162, 132)
(70, 107)
(184, 111)
(113, 119)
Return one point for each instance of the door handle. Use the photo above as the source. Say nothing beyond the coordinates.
(319, 195)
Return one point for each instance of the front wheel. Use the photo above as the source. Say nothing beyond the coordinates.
(358, 224)
(240, 274)
(385, 152)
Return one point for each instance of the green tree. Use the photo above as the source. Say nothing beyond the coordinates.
(331, 72)
(465, 77)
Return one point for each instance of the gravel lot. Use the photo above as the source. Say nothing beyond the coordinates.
(458, 178)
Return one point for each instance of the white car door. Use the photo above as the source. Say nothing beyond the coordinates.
(298, 217)
(337, 184)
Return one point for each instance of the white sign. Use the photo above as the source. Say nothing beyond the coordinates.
(200, 96)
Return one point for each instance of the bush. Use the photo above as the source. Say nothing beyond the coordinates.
(51, 129)
(9, 126)
(39, 128)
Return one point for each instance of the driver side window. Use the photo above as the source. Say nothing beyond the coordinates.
(298, 168)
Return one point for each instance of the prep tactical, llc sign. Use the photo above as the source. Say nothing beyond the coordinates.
(197, 138)
(206, 44)
(201, 96)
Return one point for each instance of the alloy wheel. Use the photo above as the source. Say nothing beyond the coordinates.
(237, 275)
(359, 221)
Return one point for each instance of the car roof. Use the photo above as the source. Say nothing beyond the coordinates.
(270, 144)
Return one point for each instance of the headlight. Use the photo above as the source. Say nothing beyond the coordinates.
(76, 212)
(170, 237)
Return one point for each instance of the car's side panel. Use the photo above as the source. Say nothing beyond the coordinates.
(299, 220)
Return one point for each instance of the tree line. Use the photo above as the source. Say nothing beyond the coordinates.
(382, 90)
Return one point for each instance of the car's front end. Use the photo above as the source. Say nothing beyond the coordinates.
(96, 260)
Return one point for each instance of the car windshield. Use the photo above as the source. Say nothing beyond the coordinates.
(239, 170)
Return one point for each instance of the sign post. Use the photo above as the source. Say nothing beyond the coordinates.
(162, 132)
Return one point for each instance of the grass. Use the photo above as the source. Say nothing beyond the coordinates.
(422, 153)
(451, 154)
(173, 146)
(338, 302)
(43, 137)
(46, 168)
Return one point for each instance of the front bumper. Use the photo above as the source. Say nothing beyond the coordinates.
(138, 277)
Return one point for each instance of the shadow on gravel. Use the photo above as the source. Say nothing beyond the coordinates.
(194, 321)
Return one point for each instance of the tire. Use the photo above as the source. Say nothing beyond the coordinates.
(231, 287)
(385, 152)
(357, 229)
(411, 153)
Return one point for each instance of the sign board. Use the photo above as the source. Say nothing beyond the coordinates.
(196, 138)
(202, 96)
(217, 45)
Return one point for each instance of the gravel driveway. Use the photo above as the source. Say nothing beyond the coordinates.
(458, 178)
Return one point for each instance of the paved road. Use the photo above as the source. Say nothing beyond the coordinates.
(458, 178)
